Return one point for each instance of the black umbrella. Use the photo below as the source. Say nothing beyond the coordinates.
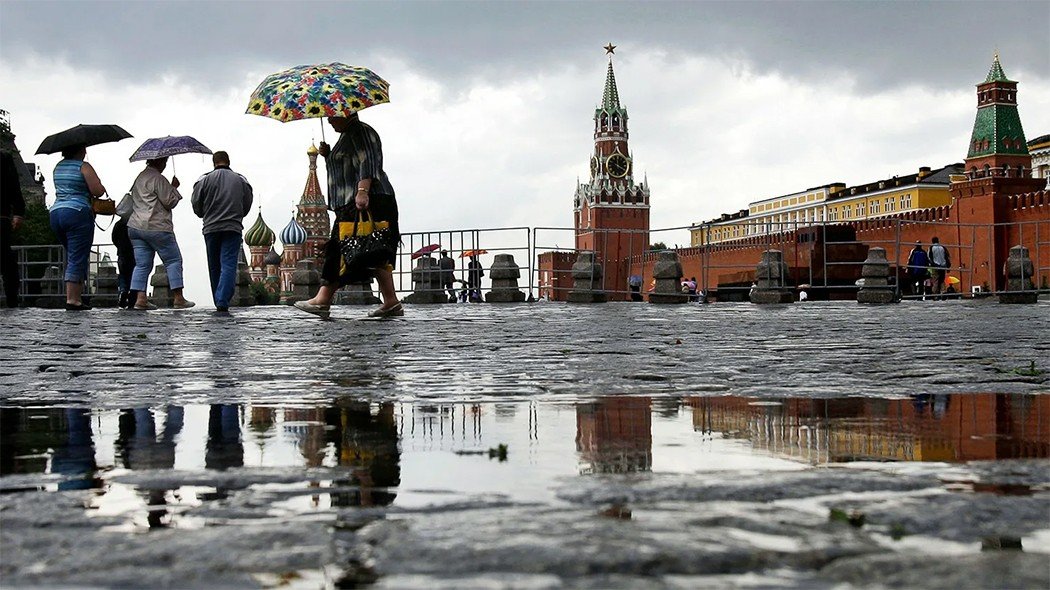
(84, 135)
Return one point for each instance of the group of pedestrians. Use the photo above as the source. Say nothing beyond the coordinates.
(221, 198)
(927, 271)
(145, 228)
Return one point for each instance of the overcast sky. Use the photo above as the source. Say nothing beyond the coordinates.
(489, 123)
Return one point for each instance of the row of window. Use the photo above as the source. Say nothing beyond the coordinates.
(784, 221)
(785, 203)
(1008, 143)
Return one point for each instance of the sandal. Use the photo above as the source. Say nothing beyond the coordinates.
(321, 310)
(395, 311)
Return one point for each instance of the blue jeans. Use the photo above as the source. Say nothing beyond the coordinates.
(223, 248)
(148, 243)
(75, 229)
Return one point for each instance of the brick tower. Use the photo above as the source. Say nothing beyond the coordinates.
(998, 165)
(313, 212)
(611, 210)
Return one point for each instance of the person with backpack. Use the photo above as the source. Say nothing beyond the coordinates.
(940, 261)
(918, 270)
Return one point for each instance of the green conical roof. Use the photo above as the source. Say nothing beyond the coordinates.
(610, 98)
(996, 73)
(259, 234)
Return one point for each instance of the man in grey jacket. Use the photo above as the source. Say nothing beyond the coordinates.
(222, 198)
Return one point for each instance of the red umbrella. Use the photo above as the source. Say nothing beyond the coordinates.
(425, 250)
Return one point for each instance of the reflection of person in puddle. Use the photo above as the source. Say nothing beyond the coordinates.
(77, 456)
(224, 448)
(140, 448)
(368, 444)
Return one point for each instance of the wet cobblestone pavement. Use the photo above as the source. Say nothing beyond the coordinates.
(729, 445)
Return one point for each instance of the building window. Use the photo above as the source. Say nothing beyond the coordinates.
(860, 211)
(875, 208)
(906, 201)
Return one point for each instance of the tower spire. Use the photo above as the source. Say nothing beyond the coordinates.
(996, 73)
(611, 97)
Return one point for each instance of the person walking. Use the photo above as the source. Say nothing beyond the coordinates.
(447, 266)
(72, 219)
(151, 232)
(12, 214)
(918, 270)
(356, 183)
(222, 198)
(940, 261)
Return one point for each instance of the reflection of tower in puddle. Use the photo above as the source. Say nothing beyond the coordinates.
(961, 427)
(306, 427)
(368, 445)
(614, 435)
(433, 424)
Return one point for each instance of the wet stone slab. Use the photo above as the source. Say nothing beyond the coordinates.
(528, 446)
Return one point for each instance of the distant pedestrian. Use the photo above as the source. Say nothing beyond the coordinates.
(691, 288)
(152, 232)
(72, 219)
(918, 270)
(940, 261)
(474, 274)
(634, 284)
(222, 198)
(12, 214)
(448, 267)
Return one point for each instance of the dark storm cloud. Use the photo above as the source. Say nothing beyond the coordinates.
(882, 44)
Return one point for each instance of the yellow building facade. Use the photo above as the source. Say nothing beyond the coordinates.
(831, 203)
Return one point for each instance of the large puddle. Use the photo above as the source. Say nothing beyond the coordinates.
(414, 455)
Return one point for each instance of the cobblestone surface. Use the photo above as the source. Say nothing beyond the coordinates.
(648, 447)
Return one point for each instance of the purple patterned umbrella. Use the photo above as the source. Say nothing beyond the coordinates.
(163, 147)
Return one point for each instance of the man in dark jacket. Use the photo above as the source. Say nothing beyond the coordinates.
(448, 267)
(918, 271)
(12, 213)
(222, 198)
(474, 274)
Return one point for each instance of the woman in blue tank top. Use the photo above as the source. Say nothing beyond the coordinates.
(72, 219)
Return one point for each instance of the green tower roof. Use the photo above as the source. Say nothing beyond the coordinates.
(259, 234)
(996, 73)
(611, 96)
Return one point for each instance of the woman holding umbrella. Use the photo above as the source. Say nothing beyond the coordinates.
(356, 182)
(151, 231)
(72, 219)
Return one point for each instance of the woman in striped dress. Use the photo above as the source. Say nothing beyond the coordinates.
(72, 219)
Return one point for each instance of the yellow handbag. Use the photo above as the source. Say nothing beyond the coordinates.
(365, 226)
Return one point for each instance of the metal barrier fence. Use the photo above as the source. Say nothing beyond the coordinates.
(825, 258)
(40, 287)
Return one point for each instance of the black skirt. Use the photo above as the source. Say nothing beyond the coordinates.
(381, 208)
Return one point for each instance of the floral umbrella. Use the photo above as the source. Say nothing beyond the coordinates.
(318, 91)
(468, 253)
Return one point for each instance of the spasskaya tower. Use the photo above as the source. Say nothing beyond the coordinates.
(611, 210)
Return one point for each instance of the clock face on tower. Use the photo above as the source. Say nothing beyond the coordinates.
(617, 165)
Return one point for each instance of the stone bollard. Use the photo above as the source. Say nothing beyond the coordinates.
(875, 283)
(106, 286)
(770, 279)
(306, 281)
(52, 288)
(668, 275)
(1019, 272)
(242, 294)
(587, 280)
(356, 294)
(504, 274)
(426, 282)
(161, 296)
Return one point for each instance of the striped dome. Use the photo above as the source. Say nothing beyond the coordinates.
(260, 234)
(293, 234)
(272, 257)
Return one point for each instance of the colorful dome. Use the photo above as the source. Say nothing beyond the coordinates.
(312, 150)
(293, 234)
(272, 257)
(260, 234)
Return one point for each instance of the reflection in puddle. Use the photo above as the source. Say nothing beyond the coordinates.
(404, 454)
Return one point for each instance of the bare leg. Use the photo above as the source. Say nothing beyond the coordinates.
(386, 287)
(324, 296)
(73, 292)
